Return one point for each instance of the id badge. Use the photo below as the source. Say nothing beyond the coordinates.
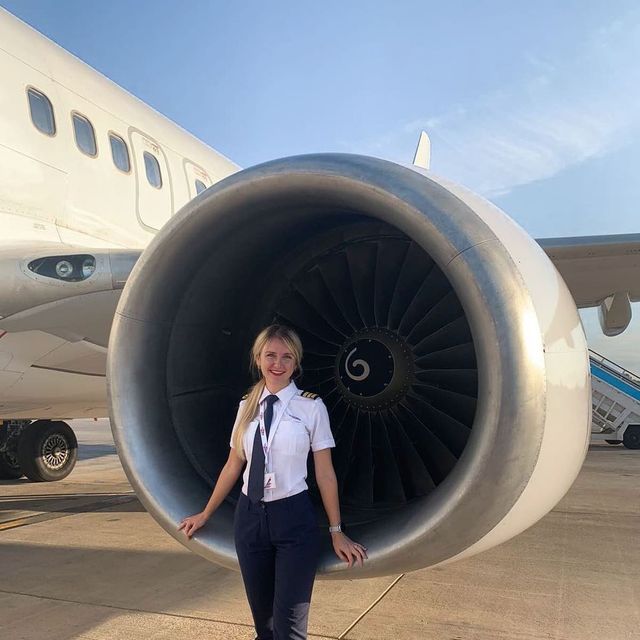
(269, 480)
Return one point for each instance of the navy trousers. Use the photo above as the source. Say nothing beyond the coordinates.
(278, 545)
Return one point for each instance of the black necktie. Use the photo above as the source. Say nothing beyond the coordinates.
(255, 490)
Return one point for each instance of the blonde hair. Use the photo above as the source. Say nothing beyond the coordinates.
(250, 407)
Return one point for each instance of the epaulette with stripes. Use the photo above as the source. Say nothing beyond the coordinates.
(308, 394)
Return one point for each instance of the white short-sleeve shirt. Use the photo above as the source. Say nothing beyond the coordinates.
(303, 426)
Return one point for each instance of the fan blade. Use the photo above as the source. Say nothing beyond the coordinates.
(456, 332)
(390, 258)
(453, 433)
(445, 308)
(416, 479)
(361, 258)
(387, 480)
(463, 381)
(435, 455)
(300, 313)
(313, 288)
(460, 356)
(359, 481)
(433, 288)
(335, 272)
(415, 267)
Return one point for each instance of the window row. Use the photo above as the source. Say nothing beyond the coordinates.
(43, 119)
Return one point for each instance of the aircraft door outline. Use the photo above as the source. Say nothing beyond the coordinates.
(154, 205)
(195, 172)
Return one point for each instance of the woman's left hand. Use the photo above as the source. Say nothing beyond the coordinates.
(348, 550)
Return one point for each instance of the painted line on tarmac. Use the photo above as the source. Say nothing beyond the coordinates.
(373, 604)
(69, 511)
(183, 616)
(42, 496)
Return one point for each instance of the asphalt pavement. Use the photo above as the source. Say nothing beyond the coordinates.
(81, 559)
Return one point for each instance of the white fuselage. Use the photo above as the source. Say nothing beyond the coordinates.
(51, 192)
(49, 189)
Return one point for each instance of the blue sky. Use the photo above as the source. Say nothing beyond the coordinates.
(535, 105)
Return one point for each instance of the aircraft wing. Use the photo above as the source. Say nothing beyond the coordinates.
(52, 327)
(600, 271)
(595, 267)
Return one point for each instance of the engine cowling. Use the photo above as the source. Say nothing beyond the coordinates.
(447, 348)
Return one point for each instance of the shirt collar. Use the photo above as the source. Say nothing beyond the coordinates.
(284, 394)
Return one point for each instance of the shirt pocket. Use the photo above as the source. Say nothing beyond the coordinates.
(292, 438)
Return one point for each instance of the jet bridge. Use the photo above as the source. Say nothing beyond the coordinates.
(616, 403)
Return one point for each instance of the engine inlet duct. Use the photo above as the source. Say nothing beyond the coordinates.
(444, 343)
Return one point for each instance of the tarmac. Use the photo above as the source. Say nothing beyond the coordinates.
(81, 559)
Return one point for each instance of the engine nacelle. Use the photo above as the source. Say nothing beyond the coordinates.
(447, 348)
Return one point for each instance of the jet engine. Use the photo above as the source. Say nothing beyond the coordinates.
(448, 350)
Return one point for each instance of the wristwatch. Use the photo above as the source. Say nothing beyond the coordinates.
(336, 529)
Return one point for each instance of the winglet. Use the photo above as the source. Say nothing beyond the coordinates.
(422, 157)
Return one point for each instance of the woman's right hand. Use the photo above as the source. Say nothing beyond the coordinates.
(192, 523)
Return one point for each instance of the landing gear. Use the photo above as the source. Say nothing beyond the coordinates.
(9, 467)
(47, 450)
(631, 438)
(10, 431)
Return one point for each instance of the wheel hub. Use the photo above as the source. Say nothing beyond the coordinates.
(374, 369)
(55, 451)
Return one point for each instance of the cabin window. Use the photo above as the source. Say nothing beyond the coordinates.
(85, 136)
(41, 112)
(200, 186)
(153, 170)
(119, 153)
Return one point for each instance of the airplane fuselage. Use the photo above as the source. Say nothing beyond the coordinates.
(84, 165)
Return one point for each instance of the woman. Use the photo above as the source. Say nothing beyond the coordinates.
(276, 533)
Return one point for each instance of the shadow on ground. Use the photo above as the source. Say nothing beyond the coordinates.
(108, 583)
(72, 503)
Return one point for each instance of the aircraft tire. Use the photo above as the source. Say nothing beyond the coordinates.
(613, 441)
(631, 438)
(9, 467)
(48, 450)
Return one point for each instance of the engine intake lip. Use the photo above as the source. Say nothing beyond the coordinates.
(306, 192)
